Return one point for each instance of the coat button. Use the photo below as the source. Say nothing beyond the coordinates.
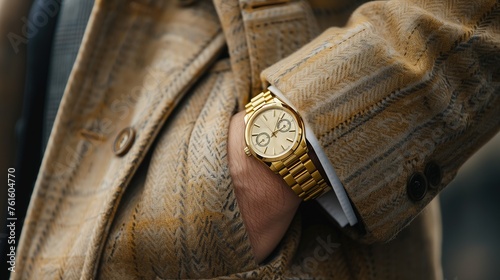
(433, 174)
(417, 186)
(124, 141)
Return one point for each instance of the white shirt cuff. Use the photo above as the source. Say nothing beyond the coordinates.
(335, 202)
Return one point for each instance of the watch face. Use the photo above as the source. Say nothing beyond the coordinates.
(273, 132)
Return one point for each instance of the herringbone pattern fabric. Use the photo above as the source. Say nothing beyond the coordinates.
(404, 82)
(182, 206)
(81, 181)
(258, 37)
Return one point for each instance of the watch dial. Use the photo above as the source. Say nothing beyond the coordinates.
(273, 132)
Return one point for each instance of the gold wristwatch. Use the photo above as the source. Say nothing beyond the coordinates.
(275, 135)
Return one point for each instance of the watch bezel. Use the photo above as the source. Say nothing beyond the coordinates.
(278, 105)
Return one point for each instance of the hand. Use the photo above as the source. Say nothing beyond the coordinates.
(266, 203)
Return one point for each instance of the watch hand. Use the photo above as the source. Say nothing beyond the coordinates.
(268, 127)
(274, 133)
(276, 128)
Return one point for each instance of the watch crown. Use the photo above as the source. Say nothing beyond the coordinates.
(247, 151)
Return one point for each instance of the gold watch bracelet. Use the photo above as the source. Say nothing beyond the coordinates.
(298, 170)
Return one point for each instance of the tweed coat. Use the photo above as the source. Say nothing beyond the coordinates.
(388, 88)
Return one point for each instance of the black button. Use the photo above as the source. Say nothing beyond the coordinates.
(417, 186)
(433, 174)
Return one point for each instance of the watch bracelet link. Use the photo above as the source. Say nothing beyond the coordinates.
(298, 170)
(258, 101)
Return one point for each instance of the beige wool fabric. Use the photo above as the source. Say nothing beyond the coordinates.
(400, 84)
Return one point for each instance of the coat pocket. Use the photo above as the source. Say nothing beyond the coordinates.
(179, 217)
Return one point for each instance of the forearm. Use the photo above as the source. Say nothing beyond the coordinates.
(405, 84)
(266, 203)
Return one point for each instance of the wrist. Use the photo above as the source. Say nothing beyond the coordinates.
(266, 203)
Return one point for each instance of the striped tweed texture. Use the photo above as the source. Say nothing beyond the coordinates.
(405, 83)
(128, 74)
(399, 84)
(257, 37)
(183, 201)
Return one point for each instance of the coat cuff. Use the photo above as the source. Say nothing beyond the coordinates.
(386, 98)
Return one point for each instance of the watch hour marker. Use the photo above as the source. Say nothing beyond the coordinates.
(265, 150)
(291, 130)
(289, 139)
(282, 147)
(256, 125)
(264, 116)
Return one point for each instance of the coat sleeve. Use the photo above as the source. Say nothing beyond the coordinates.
(399, 98)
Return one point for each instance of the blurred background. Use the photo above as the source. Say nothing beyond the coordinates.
(470, 208)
